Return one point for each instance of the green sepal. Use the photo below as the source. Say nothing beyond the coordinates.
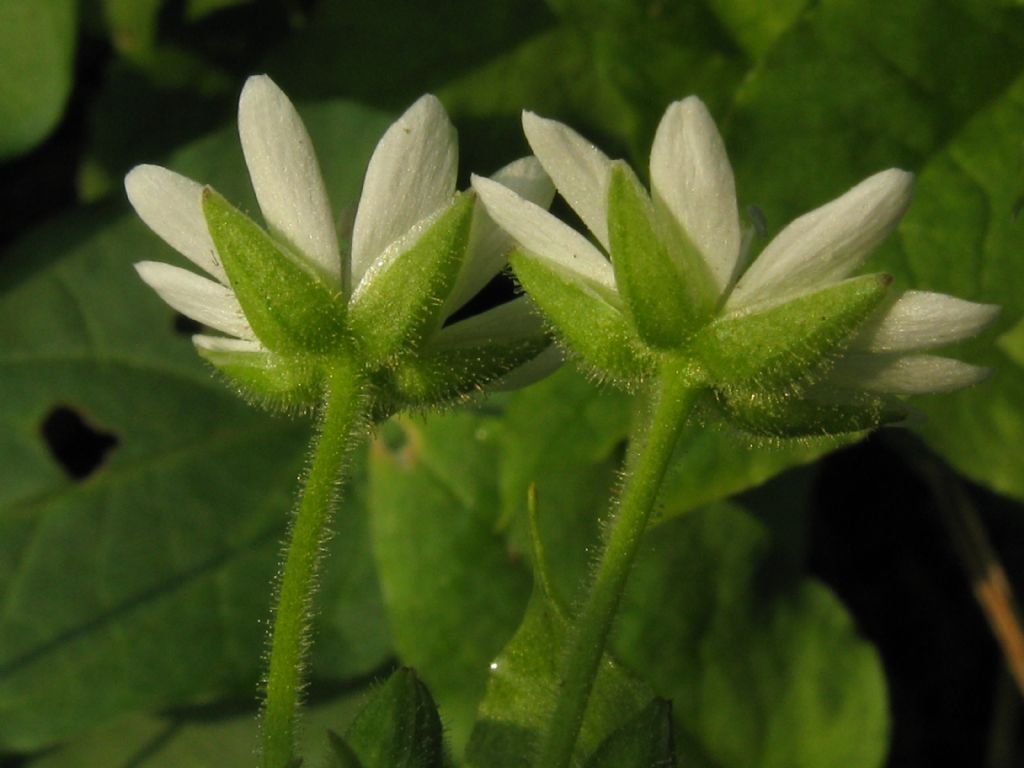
(268, 379)
(645, 741)
(289, 303)
(440, 375)
(790, 341)
(769, 414)
(399, 727)
(403, 304)
(599, 333)
(341, 754)
(664, 303)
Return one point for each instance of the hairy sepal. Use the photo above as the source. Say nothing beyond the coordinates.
(403, 304)
(666, 297)
(437, 376)
(270, 380)
(789, 342)
(783, 415)
(289, 303)
(591, 328)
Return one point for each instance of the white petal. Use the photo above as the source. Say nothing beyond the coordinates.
(906, 374)
(691, 177)
(922, 320)
(579, 169)
(172, 206)
(543, 365)
(224, 344)
(286, 175)
(827, 244)
(543, 235)
(528, 179)
(489, 244)
(513, 320)
(411, 175)
(203, 300)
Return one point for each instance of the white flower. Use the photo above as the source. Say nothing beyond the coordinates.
(693, 192)
(410, 183)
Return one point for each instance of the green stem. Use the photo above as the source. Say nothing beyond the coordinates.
(652, 441)
(341, 414)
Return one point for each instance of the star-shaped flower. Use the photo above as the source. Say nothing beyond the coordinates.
(290, 296)
(789, 344)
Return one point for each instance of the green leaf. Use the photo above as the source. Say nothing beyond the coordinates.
(341, 754)
(219, 736)
(820, 75)
(646, 741)
(399, 727)
(401, 304)
(146, 583)
(37, 48)
(288, 303)
(636, 59)
(133, 25)
(444, 572)
(962, 235)
(762, 668)
(523, 688)
(591, 327)
(567, 436)
(198, 9)
(666, 297)
(756, 26)
(438, 41)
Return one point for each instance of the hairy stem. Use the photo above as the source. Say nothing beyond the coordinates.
(652, 441)
(341, 415)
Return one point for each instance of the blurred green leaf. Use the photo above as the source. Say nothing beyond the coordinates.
(646, 741)
(341, 754)
(37, 48)
(197, 9)
(963, 235)
(755, 26)
(171, 542)
(436, 41)
(453, 592)
(399, 727)
(761, 669)
(644, 55)
(609, 69)
(133, 25)
(567, 436)
(206, 738)
(864, 85)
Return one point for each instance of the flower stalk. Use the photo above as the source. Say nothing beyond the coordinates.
(355, 330)
(653, 439)
(342, 416)
(663, 299)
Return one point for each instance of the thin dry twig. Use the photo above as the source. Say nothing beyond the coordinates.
(987, 576)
